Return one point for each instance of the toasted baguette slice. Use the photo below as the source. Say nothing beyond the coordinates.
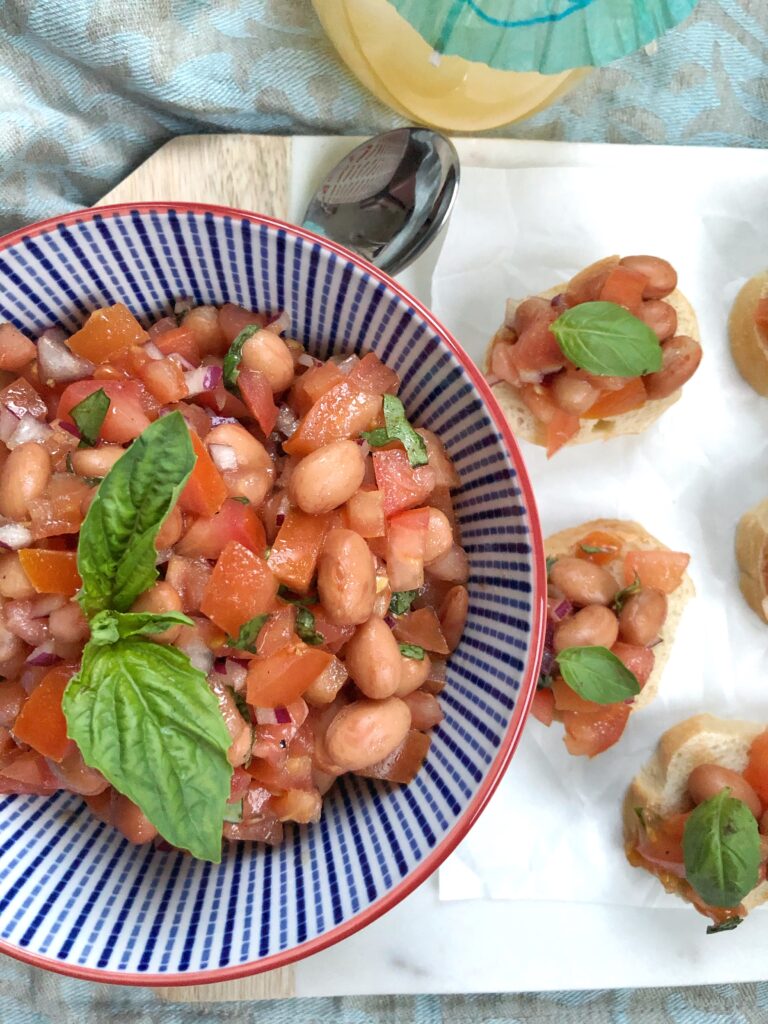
(660, 788)
(524, 424)
(748, 345)
(635, 538)
(752, 557)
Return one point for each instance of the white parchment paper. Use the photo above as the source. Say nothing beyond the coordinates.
(552, 831)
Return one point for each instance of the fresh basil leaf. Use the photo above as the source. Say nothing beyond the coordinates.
(146, 719)
(108, 627)
(412, 651)
(605, 339)
(248, 635)
(597, 675)
(621, 598)
(305, 628)
(88, 416)
(116, 552)
(234, 812)
(231, 368)
(398, 429)
(402, 601)
(724, 926)
(550, 562)
(721, 850)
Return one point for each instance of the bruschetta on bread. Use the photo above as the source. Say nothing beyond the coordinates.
(615, 597)
(601, 355)
(748, 332)
(752, 558)
(695, 816)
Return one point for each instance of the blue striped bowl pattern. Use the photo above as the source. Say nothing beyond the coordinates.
(75, 896)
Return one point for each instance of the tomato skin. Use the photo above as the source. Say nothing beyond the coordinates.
(28, 773)
(403, 763)
(291, 773)
(543, 706)
(662, 845)
(126, 417)
(51, 572)
(663, 570)
(756, 772)
(421, 627)
(342, 412)
(560, 429)
(164, 378)
(241, 587)
(105, 332)
(257, 395)
(208, 536)
(297, 546)
(283, 677)
(364, 513)
(312, 385)
(189, 577)
(611, 544)
(592, 734)
(373, 377)
(401, 485)
(59, 510)
(639, 660)
(613, 403)
(277, 632)
(536, 351)
(566, 699)
(624, 287)
(405, 546)
(41, 723)
(205, 491)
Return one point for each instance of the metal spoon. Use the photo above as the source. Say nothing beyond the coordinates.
(389, 197)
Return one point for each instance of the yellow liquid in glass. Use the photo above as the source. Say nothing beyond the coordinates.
(392, 60)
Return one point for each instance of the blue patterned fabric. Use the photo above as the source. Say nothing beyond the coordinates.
(88, 90)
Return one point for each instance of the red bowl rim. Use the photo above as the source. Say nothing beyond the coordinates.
(527, 688)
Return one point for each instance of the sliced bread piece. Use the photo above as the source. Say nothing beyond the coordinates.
(749, 343)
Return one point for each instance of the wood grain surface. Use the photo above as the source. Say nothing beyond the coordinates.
(250, 172)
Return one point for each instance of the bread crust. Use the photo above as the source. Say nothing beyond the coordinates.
(660, 787)
(749, 348)
(752, 557)
(635, 538)
(524, 424)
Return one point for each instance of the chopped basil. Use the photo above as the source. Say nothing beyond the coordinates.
(550, 563)
(398, 429)
(242, 705)
(402, 601)
(305, 627)
(242, 499)
(88, 416)
(412, 651)
(725, 926)
(621, 598)
(594, 549)
(288, 595)
(231, 367)
(248, 635)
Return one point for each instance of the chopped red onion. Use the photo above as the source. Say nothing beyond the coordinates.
(279, 519)
(28, 429)
(70, 428)
(153, 351)
(220, 666)
(43, 654)
(56, 362)
(283, 716)
(281, 323)
(43, 605)
(216, 421)
(559, 302)
(390, 620)
(224, 456)
(305, 359)
(165, 324)
(348, 364)
(53, 333)
(14, 536)
(183, 362)
(204, 378)
(286, 421)
(9, 421)
(197, 652)
(266, 716)
(561, 610)
(213, 377)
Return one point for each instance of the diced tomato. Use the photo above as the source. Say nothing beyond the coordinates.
(536, 351)
(223, 403)
(304, 740)
(41, 723)
(567, 699)
(197, 419)
(402, 764)
(189, 577)
(608, 543)
(662, 844)
(538, 400)
(406, 543)
(756, 772)
(240, 588)
(294, 554)
(12, 697)
(373, 377)
(613, 403)
(761, 313)
(285, 675)
(51, 572)
(421, 627)
(292, 773)
(126, 417)
(208, 536)
(205, 491)
(663, 570)
(639, 660)
(592, 734)
(20, 397)
(342, 412)
(277, 632)
(232, 320)
(335, 636)
(239, 785)
(165, 380)
(425, 710)
(16, 350)
(179, 341)
(400, 484)
(364, 513)
(502, 363)
(543, 706)
(312, 385)
(60, 507)
(439, 461)
(105, 332)
(28, 773)
(560, 429)
(300, 805)
(625, 287)
(263, 829)
(257, 395)
(271, 742)
(8, 749)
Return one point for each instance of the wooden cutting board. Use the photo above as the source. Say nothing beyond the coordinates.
(251, 172)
